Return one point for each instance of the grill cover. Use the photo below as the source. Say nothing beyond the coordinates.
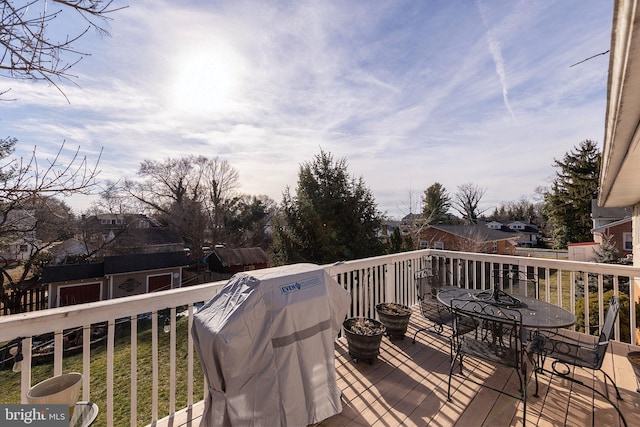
(266, 344)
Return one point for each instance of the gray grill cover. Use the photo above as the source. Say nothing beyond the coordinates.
(266, 344)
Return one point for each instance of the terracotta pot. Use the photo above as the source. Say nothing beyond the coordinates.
(394, 317)
(363, 338)
(634, 359)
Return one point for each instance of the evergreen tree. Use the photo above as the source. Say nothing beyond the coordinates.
(395, 241)
(568, 204)
(436, 202)
(606, 252)
(331, 217)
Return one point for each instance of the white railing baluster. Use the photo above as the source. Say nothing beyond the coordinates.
(632, 311)
(134, 371)
(600, 299)
(616, 327)
(86, 365)
(172, 361)
(25, 374)
(111, 337)
(585, 297)
(154, 364)
(190, 357)
(57, 352)
(559, 286)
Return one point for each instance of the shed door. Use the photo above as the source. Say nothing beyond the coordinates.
(160, 283)
(78, 294)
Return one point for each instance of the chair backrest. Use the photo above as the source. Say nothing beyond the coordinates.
(427, 281)
(427, 285)
(504, 278)
(499, 337)
(607, 329)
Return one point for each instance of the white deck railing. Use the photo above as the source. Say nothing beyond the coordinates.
(370, 281)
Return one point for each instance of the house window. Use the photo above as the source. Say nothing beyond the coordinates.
(438, 245)
(627, 241)
(424, 245)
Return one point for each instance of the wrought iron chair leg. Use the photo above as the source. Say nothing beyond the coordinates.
(612, 382)
(435, 329)
(453, 361)
(524, 395)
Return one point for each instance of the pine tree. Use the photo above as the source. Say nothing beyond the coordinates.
(436, 201)
(568, 203)
(606, 252)
(331, 217)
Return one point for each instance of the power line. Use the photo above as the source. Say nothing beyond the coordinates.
(591, 57)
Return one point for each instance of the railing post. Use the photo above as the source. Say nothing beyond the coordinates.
(390, 280)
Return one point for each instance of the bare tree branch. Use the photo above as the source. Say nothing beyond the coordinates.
(27, 52)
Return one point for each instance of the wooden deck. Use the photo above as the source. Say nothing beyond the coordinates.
(407, 386)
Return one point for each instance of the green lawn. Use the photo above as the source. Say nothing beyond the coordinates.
(10, 381)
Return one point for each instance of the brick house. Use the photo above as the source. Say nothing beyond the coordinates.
(468, 238)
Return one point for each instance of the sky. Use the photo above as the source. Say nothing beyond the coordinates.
(408, 92)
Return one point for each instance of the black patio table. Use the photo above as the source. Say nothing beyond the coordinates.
(536, 314)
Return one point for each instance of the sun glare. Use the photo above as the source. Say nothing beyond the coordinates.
(207, 81)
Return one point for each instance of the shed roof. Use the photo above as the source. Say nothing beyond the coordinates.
(240, 256)
(65, 273)
(476, 232)
(142, 262)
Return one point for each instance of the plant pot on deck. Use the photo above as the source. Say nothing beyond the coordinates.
(61, 389)
(363, 338)
(634, 359)
(394, 317)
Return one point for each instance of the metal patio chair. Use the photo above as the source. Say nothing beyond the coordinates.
(428, 284)
(497, 340)
(584, 351)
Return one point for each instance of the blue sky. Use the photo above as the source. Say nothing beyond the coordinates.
(409, 92)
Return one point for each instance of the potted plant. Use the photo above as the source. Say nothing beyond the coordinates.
(634, 359)
(363, 338)
(394, 317)
(61, 389)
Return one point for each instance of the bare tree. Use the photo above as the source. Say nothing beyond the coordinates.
(27, 50)
(173, 191)
(26, 205)
(467, 200)
(222, 182)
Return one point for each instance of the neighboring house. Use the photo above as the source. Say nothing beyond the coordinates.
(68, 251)
(602, 216)
(621, 235)
(127, 233)
(19, 236)
(231, 261)
(468, 238)
(116, 276)
(527, 234)
(615, 222)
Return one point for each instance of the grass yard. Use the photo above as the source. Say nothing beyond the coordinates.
(10, 381)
